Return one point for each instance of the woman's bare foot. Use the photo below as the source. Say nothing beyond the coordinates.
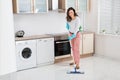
(77, 67)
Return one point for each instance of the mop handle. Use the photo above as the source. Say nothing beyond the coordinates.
(75, 69)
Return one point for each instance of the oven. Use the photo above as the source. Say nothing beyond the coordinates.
(62, 47)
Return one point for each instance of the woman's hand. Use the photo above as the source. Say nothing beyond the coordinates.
(71, 37)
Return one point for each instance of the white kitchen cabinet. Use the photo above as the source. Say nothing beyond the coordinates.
(71, 3)
(22, 6)
(82, 5)
(63, 5)
(87, 43)
(30, 6)
(79, 5)
(45, 51)
(40, 6)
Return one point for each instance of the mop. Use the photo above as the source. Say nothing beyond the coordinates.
(70, 38)
(75, 71)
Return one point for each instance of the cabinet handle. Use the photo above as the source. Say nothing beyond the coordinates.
(40, 40)
(62, 41)
(45, 40)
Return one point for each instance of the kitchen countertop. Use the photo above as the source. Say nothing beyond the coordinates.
(56, 36)
(85, 32)
(33, 37)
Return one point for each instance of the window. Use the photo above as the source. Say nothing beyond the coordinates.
(109, 16)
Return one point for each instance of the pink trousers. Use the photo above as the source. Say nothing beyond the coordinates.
(75, 45)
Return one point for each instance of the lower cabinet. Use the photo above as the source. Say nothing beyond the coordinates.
(45, 51)
(87, 43)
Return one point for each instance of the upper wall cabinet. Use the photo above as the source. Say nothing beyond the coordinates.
(71, 3)
(30, 6)
(52, 5)
(61, 5)
(83, 5)
(40, 6)
(78, 5)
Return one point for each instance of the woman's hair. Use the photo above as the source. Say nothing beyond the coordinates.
(68, 17)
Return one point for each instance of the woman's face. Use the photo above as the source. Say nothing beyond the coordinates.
(71, 13)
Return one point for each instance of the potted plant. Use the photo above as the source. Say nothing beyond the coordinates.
(103, 31)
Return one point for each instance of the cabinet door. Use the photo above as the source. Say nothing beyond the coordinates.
(82, 5)
(79, 5)
(40, 6)
(70, 3)
(24, 6)
(45, 50)
(87, 43)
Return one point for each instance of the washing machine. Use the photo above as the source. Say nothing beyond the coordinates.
(25, 54)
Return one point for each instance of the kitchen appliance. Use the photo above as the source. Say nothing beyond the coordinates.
(45, 51)
(62, 47)
(26, 54)
(20, 33)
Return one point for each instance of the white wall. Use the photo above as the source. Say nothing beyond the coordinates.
(41, 23)
(7, 41)
(105, 45)
(91, 17)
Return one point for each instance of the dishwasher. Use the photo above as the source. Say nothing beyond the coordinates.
(45, 51)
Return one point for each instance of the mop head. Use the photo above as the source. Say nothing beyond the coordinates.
(75, 72)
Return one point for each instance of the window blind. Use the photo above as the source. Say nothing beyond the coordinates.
(109, 16)
(116, 17)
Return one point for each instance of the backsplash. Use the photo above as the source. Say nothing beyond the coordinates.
(40, 23)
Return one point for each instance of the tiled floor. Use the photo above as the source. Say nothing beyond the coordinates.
(95, 68)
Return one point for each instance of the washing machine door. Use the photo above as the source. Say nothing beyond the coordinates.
(26, 53)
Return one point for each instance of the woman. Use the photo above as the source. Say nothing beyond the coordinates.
(73, 24)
